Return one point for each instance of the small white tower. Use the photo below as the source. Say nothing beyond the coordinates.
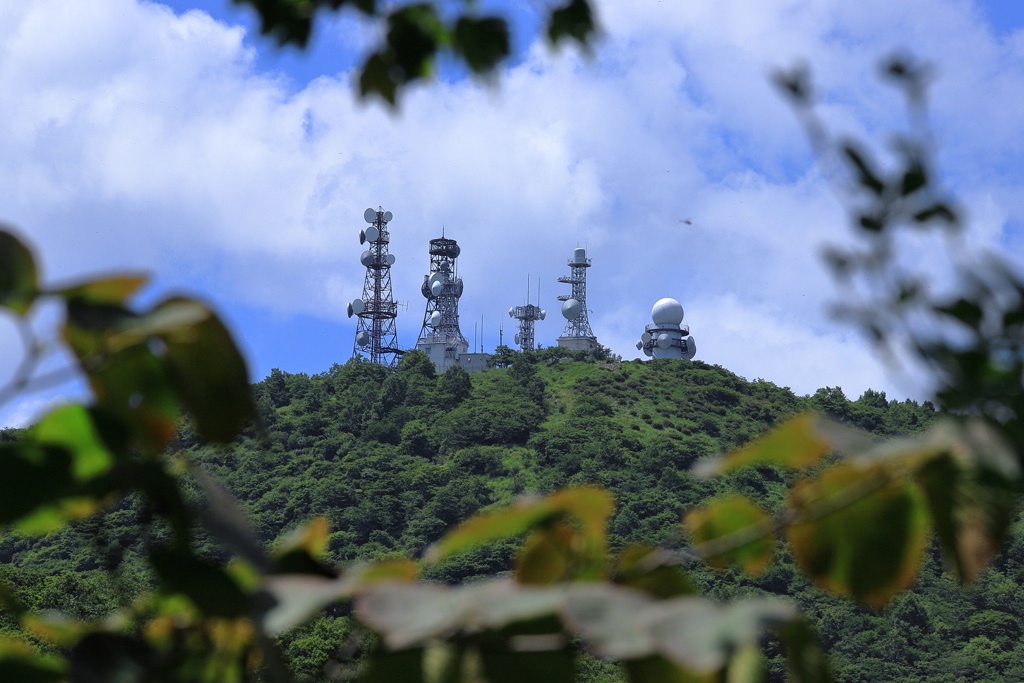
(667, 336)
(577, 334)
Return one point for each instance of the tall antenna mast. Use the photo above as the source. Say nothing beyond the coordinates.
(376, 336)
(527, 315)
(577, 334)
(440, 336)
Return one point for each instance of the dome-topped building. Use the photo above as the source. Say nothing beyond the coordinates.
(666, 336)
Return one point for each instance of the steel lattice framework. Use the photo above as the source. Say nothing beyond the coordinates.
(578, 327)
(377, 319)
(526, 315)
(443, 266)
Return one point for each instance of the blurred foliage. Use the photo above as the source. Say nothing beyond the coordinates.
(417, 34)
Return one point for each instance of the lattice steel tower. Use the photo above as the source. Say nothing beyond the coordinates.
(527, 315)
(440, 336)
(376, 337)
(577, 334)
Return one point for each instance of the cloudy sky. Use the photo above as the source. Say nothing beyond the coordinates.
(173, 139)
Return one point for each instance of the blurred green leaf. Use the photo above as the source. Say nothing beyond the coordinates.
(108, 658)
(376, 78)
(72, 428)
(645, 568)
(805, 658)
(405, 666)
(18, 277)
(482, 42)
(728, 515)
(110, 290)
(20, 664)
(657, 669)
(291, 21)
(207, 585)
(34, 475)
(967, 312)
(859, 532)
(940, 211)
(548, 556)
(573, 20)
(746, 665)
(209, 373)
(536, 651)
(914, 178)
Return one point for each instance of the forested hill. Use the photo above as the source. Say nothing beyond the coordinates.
(394, 458)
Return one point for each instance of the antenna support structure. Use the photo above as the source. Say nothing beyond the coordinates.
(527, 315)
(376, 337)
(440, 337)
(577, 334)
(667, 336)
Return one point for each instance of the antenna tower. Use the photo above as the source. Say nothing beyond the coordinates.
(577, 334)
(442, 289)
(376, 337)
(527, 315)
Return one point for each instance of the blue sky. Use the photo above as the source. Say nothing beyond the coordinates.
(143, 135)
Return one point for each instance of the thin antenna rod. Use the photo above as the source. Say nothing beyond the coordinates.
(527, 288)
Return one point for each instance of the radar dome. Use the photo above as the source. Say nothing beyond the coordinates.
(667, 312)
(579, 255)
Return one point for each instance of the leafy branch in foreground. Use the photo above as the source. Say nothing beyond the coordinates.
(416, 34)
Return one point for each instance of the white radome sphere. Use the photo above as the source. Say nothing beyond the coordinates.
(667, 312)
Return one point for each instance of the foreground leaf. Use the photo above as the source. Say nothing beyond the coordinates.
(18, 276)
(859, 532)
(732, 518)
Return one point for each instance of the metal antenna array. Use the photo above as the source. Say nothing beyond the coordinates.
(375, 333)
(442, 289)
(527, 315)
(577, 334)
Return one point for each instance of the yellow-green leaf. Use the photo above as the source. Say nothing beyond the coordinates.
(18, 277)
(548, 557)
(72, 428)
(109, 290)
(646, 568)
(859, 532)
(733, 529)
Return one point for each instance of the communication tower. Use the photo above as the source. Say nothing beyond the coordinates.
(664, 337)
(375, 332)
(577, 334)
(527, 315)
(440, 336)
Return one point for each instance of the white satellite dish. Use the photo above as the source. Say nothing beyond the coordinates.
(517, 339)
(571, 309)
(645, 337)
(369, 215)
(357, 306)
(543, 314)
(390, 259)
(435, 319)
(511, 311)
(639, 345)
(388, 216)
(362, 237)
(372, 234)
(362, 337)
(458, 288)
(436, 288)
(435, 277)
(348, 309)
(691, 348)
(664, 341)
(366, 258)
(648, 352)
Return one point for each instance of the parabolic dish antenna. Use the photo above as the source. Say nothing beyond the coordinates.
(435, 277)
(510, 311)
(348, 309)
(425, 289)
(362, 237)
(357, 306)
(571, 309)
(664, 341)
(369, 215)
(362, 337)
(388, 216)
(691, 348)
(366, 258)
(648, 352)
(458, 289)
(645, 337)
(436, 288)
(390, 258)
(639, 345)
(372, 234)
(435, 319)
(517, 339)
(543, 314)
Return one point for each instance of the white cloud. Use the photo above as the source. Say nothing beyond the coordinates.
(133, 137)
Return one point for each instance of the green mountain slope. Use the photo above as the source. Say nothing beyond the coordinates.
(393, 459)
